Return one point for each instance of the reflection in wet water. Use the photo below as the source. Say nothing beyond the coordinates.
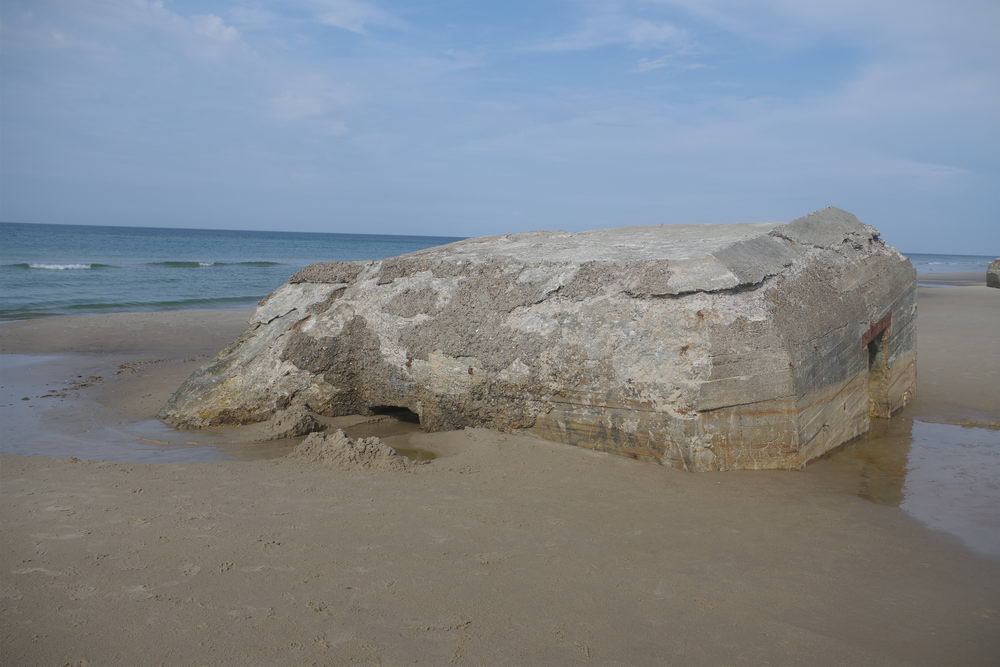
(42, 417)
(396, 429)
(214, 443)
(945, 476)
(415, 453)
(877, 459)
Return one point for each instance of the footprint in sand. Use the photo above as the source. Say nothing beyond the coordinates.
(246, 612)
(82, 592)
(58, 508)
(190, 569)
(261, 568)
(9, 593)
(491, 557)
(138, 592)
(443, 625)
(64, 536)
(40, 570)
(320, 607)
(133, 562)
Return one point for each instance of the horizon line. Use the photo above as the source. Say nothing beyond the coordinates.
(218, 229)
(434, 236)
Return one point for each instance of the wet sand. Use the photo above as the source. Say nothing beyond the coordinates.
(951, 279)
(502, 550)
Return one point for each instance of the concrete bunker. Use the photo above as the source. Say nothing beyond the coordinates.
(705, 347)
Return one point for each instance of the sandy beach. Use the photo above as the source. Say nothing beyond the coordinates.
(606, 333)
(504, 549)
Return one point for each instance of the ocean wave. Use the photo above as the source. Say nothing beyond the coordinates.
(30, 312)
(171, 304)
(179, 265)
(58, 267)
(199, 265)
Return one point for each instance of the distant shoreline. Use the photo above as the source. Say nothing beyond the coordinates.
(248, 304)
(951, 279)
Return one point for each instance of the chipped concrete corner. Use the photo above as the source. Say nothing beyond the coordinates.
(705, 347)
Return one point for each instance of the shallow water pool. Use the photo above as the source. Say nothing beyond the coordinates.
(944, 475)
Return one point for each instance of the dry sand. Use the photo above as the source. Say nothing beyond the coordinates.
(503, 550)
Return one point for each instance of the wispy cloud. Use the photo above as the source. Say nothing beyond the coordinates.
(317, 98)
(913, 25)
(74, 28)
(614, 25)
(253, 18)
(357, 16)
(650, 64)
(213, 27)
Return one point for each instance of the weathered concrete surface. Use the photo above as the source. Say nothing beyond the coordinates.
(993, 273)
(707, 347)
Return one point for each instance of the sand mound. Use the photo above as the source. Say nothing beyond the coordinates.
(289, 424)
(336, 449)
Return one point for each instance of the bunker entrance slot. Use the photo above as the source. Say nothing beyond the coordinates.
(397, 412)
(878, 377)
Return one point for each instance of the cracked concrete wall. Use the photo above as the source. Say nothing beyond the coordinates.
(707, 347)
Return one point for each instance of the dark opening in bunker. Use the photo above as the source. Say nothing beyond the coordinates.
(396, 412)
(876, 345)
(875, 352)
(878, 404)
(396, 431)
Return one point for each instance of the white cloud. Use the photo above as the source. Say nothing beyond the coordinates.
(925, 69)
(613, 25)
(962, 26)
(74, 25)
(303, 104)
(650, 64)
(41, 36)
(355, 16)
(213, 27)
(316, 99)
(643, 33)
(253, 18)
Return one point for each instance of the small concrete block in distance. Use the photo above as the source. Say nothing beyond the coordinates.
(993, 273)
(706, 347)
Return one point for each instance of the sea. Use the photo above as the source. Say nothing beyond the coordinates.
(926, 264)
(77, 269)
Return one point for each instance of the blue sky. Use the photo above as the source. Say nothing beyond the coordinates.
(465, 118)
